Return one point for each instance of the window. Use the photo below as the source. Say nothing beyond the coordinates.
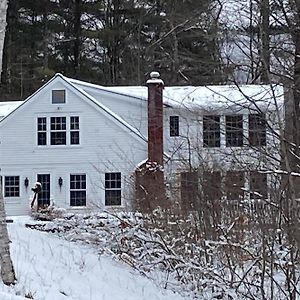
(74, 130)
(234, 185)
(234, 131)
(42, 131)
(78, 190)
(174, 126)
(12, 186)
(211, 185)
(258, 185)
(257, 130)
(112, 188)
(58, 96)
(211, 131)
(58, 130)
(189, 190)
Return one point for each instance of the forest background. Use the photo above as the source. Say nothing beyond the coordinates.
(118, 42)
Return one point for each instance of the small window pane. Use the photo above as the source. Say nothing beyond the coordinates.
(58, 96)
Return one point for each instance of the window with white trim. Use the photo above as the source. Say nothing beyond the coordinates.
(258, 185)
(12, 186)
(58, 134)
(77, 189)
(211, 131)
(74, 130)
(234, 185)
(42, 131)
(234, 131)
(113, 188)
(58, 96)
(257, 130)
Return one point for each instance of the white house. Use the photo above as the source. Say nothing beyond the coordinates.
(83, 141)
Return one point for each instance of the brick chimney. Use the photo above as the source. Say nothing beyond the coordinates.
(150, 187)
(155, 118)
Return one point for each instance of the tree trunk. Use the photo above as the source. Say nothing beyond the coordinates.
(3, 9)
(265, 40)
(7, 269)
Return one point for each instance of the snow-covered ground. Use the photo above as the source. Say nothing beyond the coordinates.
(51, 268)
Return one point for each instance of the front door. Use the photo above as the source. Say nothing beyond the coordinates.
(44, 196)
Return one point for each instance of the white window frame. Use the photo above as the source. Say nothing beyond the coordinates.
(113, 186)
(14, 185)
(81, 188)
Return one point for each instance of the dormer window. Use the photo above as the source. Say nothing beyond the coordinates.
(58, 96)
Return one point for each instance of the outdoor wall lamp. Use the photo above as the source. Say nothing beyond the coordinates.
(60, 182)
(26, 182)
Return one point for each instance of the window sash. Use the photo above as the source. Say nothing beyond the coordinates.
(258, 185)
(211, 131)
(113, 188)
(77, 190)
(257, 130)
(234, 131)
(42, 131)
(12, 186)
(74, 130)
(58, 134)
(58, 96)
(234, 185)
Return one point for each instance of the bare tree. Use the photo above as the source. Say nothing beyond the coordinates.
(7, 269)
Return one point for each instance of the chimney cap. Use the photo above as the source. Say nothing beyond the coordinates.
(155, 78)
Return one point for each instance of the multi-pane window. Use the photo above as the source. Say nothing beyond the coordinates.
(174, 125)
(58, 130)
(42, 131)
(78, 190)
(234, 131)
(113, 188)
(11, 186)
(257, 130)
(258, 185)
(234, 185)
(58, 96)
(211, 131)
(189, 190)
(74, 130)
(211, 185)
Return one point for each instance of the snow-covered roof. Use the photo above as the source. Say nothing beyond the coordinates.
(190, 97)
(203, 97)
(208, 97)
(7, 107)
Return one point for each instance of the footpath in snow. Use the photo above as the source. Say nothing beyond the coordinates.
(50, 268)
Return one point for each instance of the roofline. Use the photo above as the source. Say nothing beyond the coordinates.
(29, 97)
(107, 110)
